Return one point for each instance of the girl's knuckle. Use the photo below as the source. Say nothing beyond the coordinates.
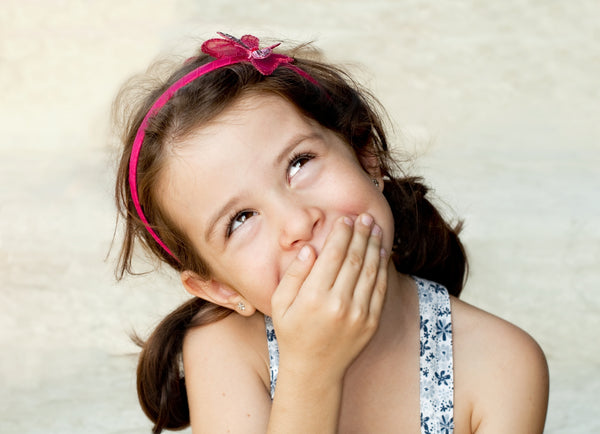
(359, 314)
(312, 300)
(338, 309)
(371, 323)
(371, 270)
(354, 259)
(381, 287)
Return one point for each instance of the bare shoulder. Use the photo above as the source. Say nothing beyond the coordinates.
(477, 330)
(500, 370)
(234, 330)
(226, 375)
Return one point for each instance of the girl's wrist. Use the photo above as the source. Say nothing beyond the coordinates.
(310, 400)
(311, 371)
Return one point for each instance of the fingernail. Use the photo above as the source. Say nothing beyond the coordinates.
(348, 221)
(304, 253)
(376, 230)
(366, 219)
(382, 253)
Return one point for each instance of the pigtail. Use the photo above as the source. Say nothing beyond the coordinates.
(426, 245)
(160, 381)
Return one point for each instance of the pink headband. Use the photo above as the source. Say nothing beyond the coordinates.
(227, 51)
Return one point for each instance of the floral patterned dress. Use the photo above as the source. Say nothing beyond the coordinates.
(436, 362)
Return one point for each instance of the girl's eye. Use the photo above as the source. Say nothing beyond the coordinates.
(238, 220)
(296, 163)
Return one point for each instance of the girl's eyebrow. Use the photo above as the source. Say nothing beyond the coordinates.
(292, 143)
(211, 227)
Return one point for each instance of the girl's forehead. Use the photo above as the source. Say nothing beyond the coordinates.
(255, 116)
(263, 102)
(252, 129)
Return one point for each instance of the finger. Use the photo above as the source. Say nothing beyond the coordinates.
(370, 270)
(353, 263)
(329, 262)
(292, 280)
(380, 287)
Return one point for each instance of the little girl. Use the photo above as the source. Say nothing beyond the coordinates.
(325, 283)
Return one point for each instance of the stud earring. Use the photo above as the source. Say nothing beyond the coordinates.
(375, 182)
(241, 306)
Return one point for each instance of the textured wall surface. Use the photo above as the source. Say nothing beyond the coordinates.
(497, 102)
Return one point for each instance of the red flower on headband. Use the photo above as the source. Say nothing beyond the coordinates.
(245, 48)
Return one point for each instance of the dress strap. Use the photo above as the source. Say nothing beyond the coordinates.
(436, 363)
(273, 353)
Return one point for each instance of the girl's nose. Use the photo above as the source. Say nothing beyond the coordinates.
(297, 223)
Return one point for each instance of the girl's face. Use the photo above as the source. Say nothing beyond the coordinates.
(259, 182)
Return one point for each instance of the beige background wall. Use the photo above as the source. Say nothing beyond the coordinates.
(497, 100)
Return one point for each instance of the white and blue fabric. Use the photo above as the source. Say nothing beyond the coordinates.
(436, 362)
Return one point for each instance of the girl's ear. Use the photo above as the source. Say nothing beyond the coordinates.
(216, 292)
(370, 163)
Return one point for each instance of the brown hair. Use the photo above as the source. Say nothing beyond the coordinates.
(425, 244)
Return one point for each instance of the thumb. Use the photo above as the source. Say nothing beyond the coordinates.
(292, 281)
